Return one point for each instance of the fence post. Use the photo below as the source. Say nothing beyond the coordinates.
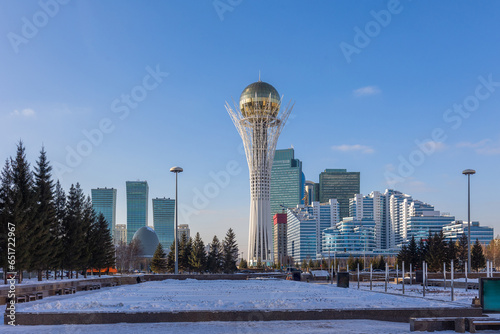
(444, 275)
(386, 274)
(451, 283)
(411, 281)
(371, 271)
(423, 278)
(403, 278)
(466, 285)
(358, 275)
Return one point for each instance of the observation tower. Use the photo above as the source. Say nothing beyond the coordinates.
(259, 119)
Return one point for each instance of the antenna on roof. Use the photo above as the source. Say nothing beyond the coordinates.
(259, 75)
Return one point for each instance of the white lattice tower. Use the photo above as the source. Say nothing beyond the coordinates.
(259, 126)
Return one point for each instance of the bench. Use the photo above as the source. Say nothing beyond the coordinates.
(31, 298)
(59, 291)
(21, 299)
(437, 324)
(473, 324)
(97, 286)
(39, 295)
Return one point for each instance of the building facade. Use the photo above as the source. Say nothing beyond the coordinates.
(120, 234)
(456, 229)
(183, 229)
(349, 237)
(280, 240)
(341, 185)
(104, 201)
(164, 221)
(137, 207)
(305, 225)
(287, 181)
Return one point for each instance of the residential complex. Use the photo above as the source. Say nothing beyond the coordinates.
(137, 207)
(456, 229)
(120, 234)
(183, 229)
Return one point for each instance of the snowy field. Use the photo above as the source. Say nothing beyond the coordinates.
(176, 295)
(276, 327)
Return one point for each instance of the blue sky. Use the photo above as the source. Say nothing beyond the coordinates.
(369, 80)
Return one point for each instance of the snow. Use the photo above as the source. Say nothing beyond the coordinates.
(257, 327)
(182, 295)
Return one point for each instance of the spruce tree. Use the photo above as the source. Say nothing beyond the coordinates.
(158, 263)
(451, 253)
(103, 250)
(45, 222)
(198, 258)
(23, 210)
(214, 259)
(74, 231)
(230, 252)
(171, 259)
(58, 234)
(477, 260)
(404, 256)
(437, 252)
(462, 251)
(185, 247)
(412, 253)
(422, 250)
(5, 215)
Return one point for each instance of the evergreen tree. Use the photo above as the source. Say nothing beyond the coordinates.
(412, 253)
(159, 264)
(198, 258)
(310, 264)
(214, 259)
(5, 215)
(437, 252)
(74, 230)
(477, 260)
(259, 265)
(243, 264)
(462, 252)
(171, 259)
(23, 210)
(404, 256)
(451, 253)
(422, 253)
(185, 247)
(229, 252)
(45, 223)
(58, 235)
(102, 248)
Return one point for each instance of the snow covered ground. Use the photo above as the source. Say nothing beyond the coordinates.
(176, 295)
(288, 327)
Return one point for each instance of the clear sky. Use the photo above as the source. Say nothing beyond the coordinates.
(146, 81)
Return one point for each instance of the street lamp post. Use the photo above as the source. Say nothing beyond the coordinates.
(468, 172)
(176, 170)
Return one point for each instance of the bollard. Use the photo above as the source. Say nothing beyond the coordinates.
(358, 275)
(466, 285)
(423, 279)
(451, 283)
(444, 275)
(403, 274)
(371, 270)
(386, 275)
(410, 276)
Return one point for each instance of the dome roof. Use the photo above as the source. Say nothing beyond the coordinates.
(149, 241)
(262, 89)
(259, 99)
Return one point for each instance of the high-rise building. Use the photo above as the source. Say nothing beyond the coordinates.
(183, 229)
(305, 225)
(259, 119)
(137, 207)
(120, 234)
(163, 221)
(341, 185)
(287, 181)
(309, 192)
(104, 201)
(280, 242)
(351, 236)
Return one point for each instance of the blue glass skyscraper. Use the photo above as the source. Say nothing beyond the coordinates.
(163, 221)
(104, 201)
(137, 207)
(287, 181)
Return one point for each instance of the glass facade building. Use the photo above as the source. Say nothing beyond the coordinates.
(137, 207)
(456, 229)
(305, 225)
(104, 201)
(164, 221)
(349, 237)
(341, 185)
(287, 181)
